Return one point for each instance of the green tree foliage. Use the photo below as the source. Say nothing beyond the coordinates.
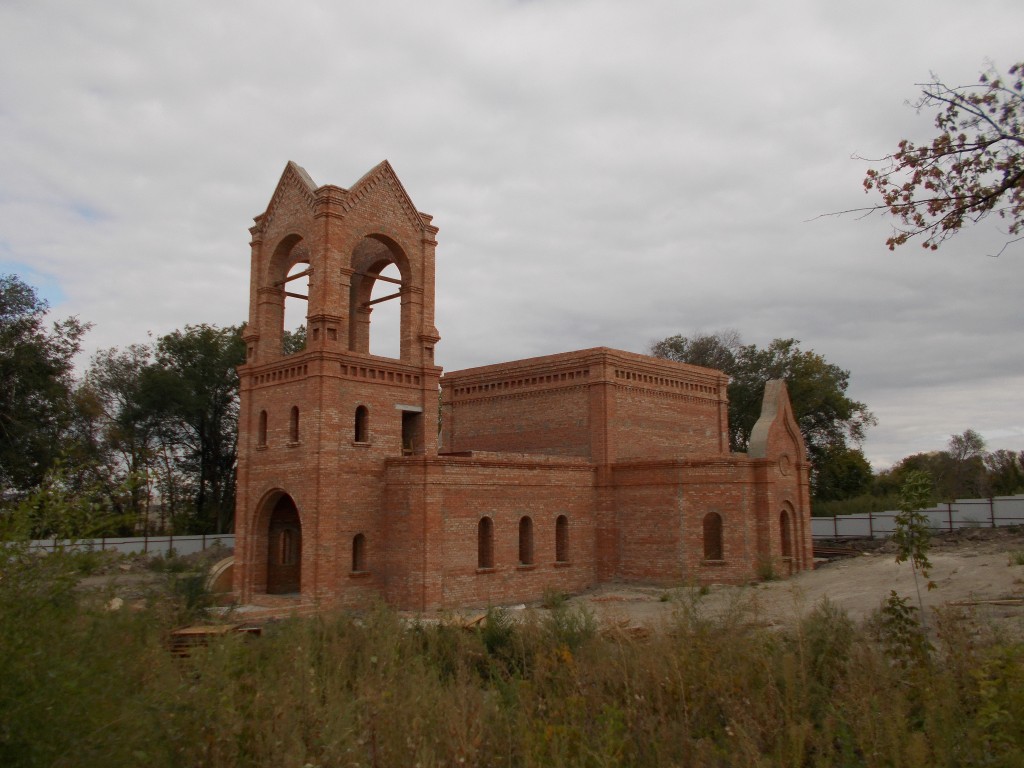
(294, 341)
(123, 431)
(910, 533)
(1005, 472)
(147, 424)
(37, 405)
(832, 424)
(967, 455)
(163, 421)
(191, 389)
(964, 470)
(844, 473)
(972, 169)
(912, 536)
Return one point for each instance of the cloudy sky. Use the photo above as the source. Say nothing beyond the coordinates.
(602, 173)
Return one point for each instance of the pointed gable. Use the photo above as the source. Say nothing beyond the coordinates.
(383, 179)
(295, 182)
(776, 428)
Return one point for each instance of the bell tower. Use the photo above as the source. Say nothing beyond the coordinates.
(317, 425)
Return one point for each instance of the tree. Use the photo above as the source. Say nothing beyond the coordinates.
(966, 453)
(972, 169)
(935, 464)
(966, 446)
(842, 473)
(294, 341)
(125, 429)
(36, 364)
(831, 423)
(910, 532)
(964, 470)
(711, 350)
(192, 387)
(1005, 472)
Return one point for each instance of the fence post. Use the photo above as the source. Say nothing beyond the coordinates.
(871, 525)
(949, 515)
(991, 511)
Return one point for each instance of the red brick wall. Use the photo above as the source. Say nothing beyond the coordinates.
(458, 492)
(661, 508)
(658, 424)
(553, 420)
(633, 406)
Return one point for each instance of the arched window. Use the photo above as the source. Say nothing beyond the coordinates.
(358, 553)
(713, 536)
(526, 541)
(786, 534)
(261, 435)
(362, 431)
(485, 543)
(562, 539)
(293, 425)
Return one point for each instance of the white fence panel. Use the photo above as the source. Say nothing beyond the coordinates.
(962, 513)
(154, 545)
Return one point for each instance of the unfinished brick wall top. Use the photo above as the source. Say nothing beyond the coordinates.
(600, 403)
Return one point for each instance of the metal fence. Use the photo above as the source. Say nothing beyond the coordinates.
(962, 513)
(154, 545)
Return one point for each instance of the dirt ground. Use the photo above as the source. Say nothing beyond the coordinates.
(975, 569)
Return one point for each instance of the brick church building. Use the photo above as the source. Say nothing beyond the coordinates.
(556, 472)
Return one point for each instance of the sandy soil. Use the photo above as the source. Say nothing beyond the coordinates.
(975, 569)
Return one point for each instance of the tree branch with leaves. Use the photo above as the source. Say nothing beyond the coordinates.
(972, 169)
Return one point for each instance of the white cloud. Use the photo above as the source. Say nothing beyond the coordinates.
(602, 173)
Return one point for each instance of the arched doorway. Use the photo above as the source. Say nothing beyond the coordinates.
(284, 548)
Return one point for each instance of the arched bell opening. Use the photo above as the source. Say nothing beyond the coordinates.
(380, 289)
(296, 308)
(283, 298)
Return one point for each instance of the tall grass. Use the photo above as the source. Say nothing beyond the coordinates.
(83, 686)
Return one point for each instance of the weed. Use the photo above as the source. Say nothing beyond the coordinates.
(766, 569)
(168, 563)
(1016, 557)
(570, 627)
(553, 598)
(900, 630)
